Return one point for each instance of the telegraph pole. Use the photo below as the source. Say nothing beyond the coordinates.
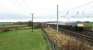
(32, 22)
(57, 18)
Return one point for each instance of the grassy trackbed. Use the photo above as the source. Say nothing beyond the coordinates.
(22, 40)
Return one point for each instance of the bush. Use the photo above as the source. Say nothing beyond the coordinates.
(4, 30)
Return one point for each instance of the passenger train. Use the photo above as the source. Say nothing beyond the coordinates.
(74, 26)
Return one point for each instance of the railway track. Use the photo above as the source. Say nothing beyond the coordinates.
(84, 35)
(88, 33)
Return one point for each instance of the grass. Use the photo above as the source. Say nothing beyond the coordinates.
(22, 40)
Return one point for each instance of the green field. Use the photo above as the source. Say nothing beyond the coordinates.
(22, 40)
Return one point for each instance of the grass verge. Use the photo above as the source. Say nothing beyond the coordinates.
(22, 40)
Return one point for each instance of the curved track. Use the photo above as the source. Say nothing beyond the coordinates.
(81, 34)
(84, 34)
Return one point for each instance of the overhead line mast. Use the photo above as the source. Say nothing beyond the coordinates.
(57, 18)
(32, 22)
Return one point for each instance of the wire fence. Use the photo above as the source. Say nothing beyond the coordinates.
(51, 44)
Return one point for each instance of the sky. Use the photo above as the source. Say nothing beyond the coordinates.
(45, 10)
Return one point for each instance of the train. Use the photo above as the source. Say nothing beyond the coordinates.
(74, 26)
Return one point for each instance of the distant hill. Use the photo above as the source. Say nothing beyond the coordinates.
(4, 23)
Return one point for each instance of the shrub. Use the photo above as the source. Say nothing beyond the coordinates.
(4, 30)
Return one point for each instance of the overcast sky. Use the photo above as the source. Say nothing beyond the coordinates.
(44, 9)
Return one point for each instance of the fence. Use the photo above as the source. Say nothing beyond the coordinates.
(51, 44)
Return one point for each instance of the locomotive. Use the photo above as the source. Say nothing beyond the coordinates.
(73, 26)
